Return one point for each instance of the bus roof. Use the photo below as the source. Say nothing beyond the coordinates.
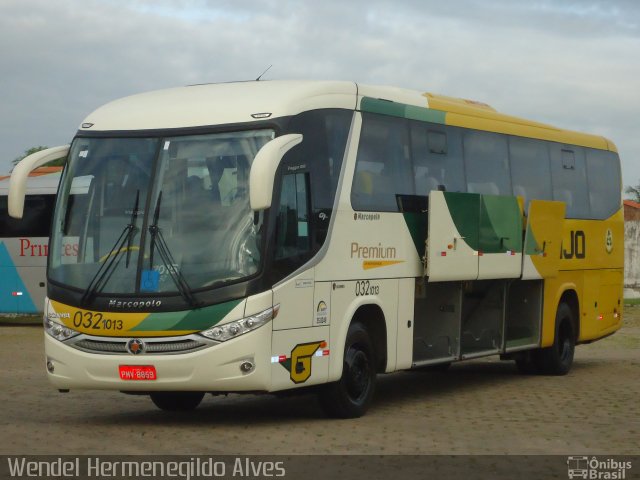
(241, 102)
(217, 104)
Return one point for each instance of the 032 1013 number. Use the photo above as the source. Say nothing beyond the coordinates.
(95, 321)
(364, 287)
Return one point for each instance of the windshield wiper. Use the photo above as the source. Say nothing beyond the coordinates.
(112, 259)
(157, 241)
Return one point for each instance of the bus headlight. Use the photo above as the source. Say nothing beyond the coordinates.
(58, 331)
(222, 333)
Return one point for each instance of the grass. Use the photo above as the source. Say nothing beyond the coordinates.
(632, 301)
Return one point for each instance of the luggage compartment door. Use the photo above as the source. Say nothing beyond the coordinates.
(542, 239)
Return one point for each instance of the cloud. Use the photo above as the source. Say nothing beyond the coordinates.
(572, 64)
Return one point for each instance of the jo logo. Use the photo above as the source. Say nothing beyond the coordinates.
(577, 246)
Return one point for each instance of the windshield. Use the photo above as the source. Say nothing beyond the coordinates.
(149, 215)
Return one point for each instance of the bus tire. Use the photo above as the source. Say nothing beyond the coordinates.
(351, 396)
(176, 401)
(558, 358)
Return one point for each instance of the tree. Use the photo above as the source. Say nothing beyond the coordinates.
(634, 192)
(59, 162)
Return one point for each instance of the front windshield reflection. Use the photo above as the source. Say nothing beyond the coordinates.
(197, 202)
(201, 205)
(103, 182)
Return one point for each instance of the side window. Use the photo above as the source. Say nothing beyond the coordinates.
(569, 179)
(292, 223)
(383, 165)
(437, 158)
(36, 222)
(603, 171)
(325, 134)
(530, 170)
(487, 163)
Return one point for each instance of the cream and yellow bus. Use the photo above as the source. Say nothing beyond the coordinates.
(266, 236)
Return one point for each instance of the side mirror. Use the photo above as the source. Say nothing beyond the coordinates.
(20, 173)
(263, 169)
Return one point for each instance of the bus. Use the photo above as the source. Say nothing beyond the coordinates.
(24, 244)
(276, 235)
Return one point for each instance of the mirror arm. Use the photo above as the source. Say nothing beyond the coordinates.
(263, 169)
(20, 173)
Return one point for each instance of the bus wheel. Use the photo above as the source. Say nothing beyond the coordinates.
(557, 359)
(351, 396)
(176, 401)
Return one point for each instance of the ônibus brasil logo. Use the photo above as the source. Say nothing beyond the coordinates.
(595, 468)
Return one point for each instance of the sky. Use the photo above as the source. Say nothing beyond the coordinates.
(574, 64)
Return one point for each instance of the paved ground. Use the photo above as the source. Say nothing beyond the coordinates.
(481, 407)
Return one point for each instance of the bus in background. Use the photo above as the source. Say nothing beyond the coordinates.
(24, 243)
(267, 236)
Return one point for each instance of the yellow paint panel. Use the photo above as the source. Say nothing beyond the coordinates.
(457, 105)
(602, 305)
(506, 125)
(543, 236)
(604, 243)
(612, 146)
(599, 292)
(478, 115)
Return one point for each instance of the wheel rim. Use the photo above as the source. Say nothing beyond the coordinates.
(358, 378)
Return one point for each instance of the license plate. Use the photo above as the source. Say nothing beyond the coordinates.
(137, 372)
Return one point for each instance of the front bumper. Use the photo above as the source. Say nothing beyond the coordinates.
(214, 368)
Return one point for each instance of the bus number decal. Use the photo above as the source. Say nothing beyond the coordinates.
(577, 246)
(95, 321)
(364, 287)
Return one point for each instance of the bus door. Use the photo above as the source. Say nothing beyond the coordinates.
(301, 328)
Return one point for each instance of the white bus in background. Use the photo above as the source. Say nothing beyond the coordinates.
(24, 244)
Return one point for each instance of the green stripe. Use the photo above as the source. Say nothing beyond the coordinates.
(500, 224)
(531, 245)
(417, 223)
(196, 320)
(488, 223)
(386, 107)
(464, 209)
